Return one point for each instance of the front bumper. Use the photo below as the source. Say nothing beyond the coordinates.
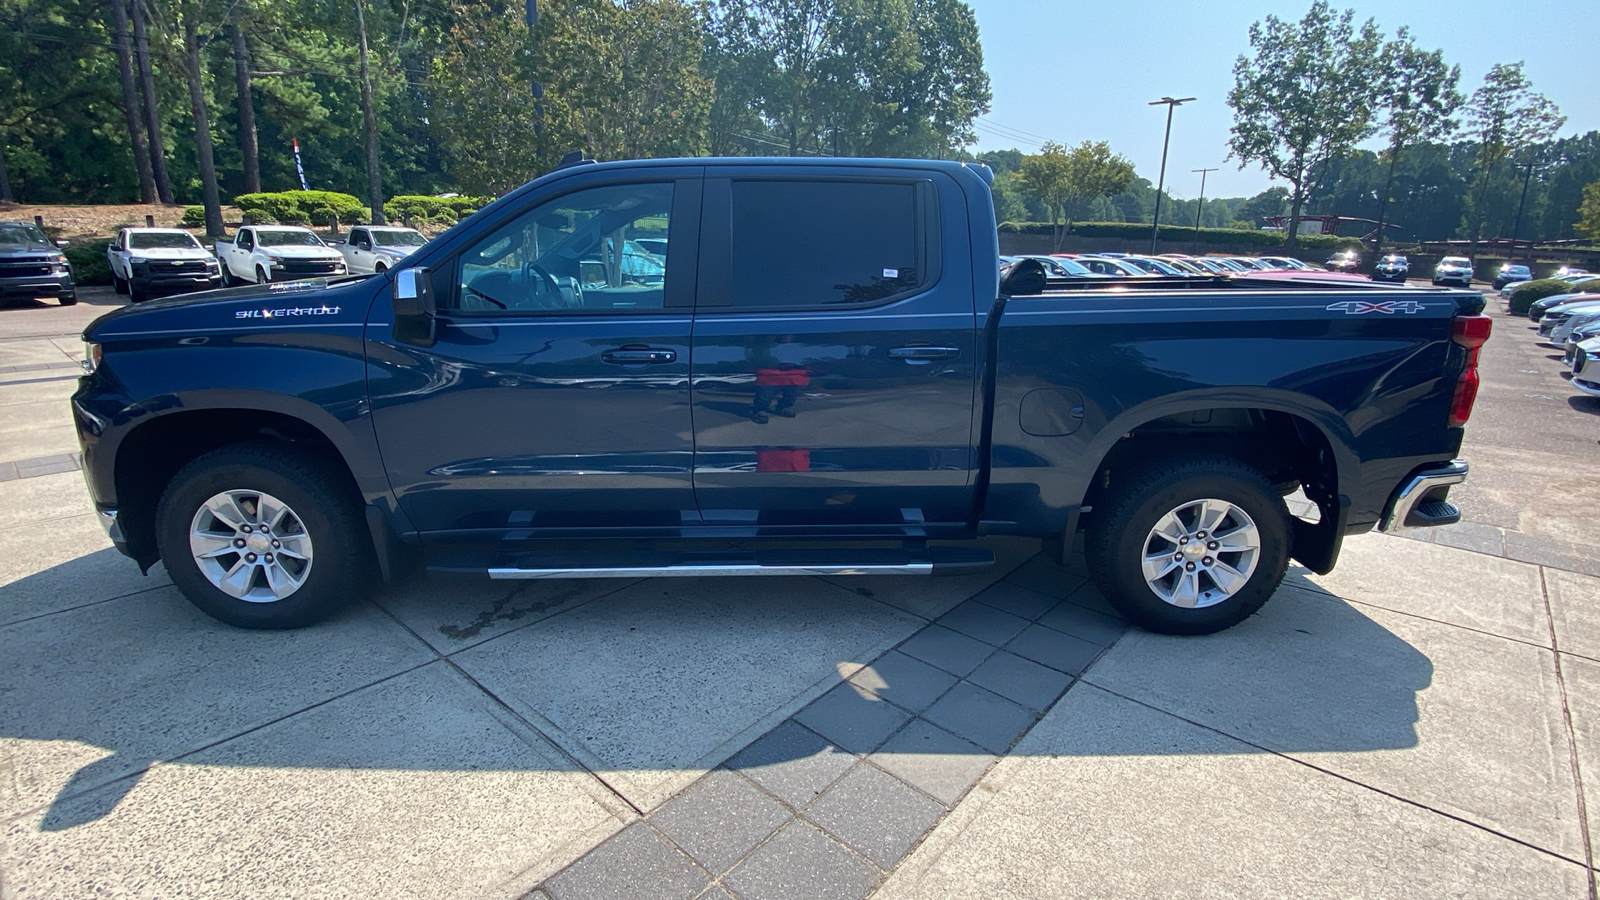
(1442, 278)
(38, 286)
(1421, 501)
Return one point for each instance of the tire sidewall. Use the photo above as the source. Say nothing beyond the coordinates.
(333, 576)
(1140, 603)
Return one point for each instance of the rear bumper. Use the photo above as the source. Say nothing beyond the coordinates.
(1420, 502)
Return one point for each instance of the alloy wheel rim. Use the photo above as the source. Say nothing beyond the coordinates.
(1201, 553)
(251, 546)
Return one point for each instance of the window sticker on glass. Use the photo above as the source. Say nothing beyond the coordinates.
(891, 273)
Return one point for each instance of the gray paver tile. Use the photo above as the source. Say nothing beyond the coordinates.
(720, 819)
(875, 814)
(635, 862)
(792, 762)
(986, 623)
(1081, 622)
(1054, 649)
(803, 863)
(1022, 680)
(856, 723)
(904, 680)
(983, 717)
(950, 651)
(1470, 536)
(1088, 596)
(1043, 577)
(933, 760)
(1017, 599)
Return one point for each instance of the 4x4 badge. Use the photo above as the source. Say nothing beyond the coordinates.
(1387, 307)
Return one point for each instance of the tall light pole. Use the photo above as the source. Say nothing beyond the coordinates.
(1517, 228)
(1202, 207)
(1161, 180)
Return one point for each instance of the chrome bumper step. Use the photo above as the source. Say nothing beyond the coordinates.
(713, 563)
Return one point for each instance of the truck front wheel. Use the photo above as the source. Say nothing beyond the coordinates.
(263, 535)
(261, 275)
(1189, 546)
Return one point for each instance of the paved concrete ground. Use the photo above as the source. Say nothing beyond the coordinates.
(1421, 722)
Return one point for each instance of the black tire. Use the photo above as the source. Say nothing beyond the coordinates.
(342, 559)
(1122, 523)
(136, 294)
(261, 275)
(69, 299)
(118, 284)
(227, 276)
(379, 269)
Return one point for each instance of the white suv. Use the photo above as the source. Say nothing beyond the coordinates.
(1453, 270)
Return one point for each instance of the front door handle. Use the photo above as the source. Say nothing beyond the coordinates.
(638, 355)
(922, 354)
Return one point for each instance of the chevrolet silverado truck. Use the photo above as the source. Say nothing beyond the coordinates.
(146, 262)
(262, 253)
(833, 375)
(31, 265)
(368, 250)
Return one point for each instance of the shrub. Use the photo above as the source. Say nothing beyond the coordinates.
(298, 207)
(323, 215)
(193, 217)
(432, 209)
(89, 264)
(1523, 298)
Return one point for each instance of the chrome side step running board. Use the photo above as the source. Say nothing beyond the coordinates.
(700, 564)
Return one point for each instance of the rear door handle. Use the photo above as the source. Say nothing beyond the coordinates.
(921, 354)
(639, 356)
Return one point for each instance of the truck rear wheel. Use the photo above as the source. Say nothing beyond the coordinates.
(1189, 546)
(263, 535)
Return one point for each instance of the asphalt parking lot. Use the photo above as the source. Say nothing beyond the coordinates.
(1423, 722)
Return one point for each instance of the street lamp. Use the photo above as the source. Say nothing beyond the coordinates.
(1517, 228)
(1201, 208)
(1161, 180)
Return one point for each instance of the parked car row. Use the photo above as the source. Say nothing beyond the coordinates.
(1166, 265)
(1571, 322)
(1566, 273)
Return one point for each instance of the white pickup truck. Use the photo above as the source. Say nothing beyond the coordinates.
(146, 262)
(262, 253)
(376, 249)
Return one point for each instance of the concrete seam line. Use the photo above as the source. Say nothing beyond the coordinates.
(1346, 778)
(1411, 615)
(140, 772)
(67, 609)
(611, 791)
(1572, 736)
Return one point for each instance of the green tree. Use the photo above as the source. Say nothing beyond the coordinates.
(1063, 180)
(1422, 103)
(1044, 178)
(482, 113)
(1588, 222)
(1507, 119)
(1307, 96)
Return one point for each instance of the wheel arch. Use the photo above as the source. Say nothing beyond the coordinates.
(152, 452)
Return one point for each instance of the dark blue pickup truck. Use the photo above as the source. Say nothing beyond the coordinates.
(757, 366)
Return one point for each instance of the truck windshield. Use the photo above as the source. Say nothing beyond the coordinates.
(287, 239)
(397, 237)
(18, 235)
(147, 240)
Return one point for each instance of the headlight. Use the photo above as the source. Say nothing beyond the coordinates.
(274, 257)
(91, 356)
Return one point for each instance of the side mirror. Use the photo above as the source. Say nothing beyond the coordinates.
(63, 244)
(1022, 278)
(414, 307)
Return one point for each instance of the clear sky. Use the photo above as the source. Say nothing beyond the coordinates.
(1071, 70)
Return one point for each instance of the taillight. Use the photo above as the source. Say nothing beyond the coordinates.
(1470, 332)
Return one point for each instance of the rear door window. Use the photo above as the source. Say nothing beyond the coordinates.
(806, 244)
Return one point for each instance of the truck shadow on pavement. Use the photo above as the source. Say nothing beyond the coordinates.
(648, 684)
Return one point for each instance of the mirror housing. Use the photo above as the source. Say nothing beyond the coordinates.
(414, 307)
(62, 245)
(1024, 277)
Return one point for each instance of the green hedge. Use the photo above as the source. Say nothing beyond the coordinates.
(1135, 231)
(193, 217)
(1523, 298)
(425, 210)
(301, 208)
(89, 264)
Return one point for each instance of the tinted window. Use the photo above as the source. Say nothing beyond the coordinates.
(813, 243)
(578, 252)
(149, 240)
